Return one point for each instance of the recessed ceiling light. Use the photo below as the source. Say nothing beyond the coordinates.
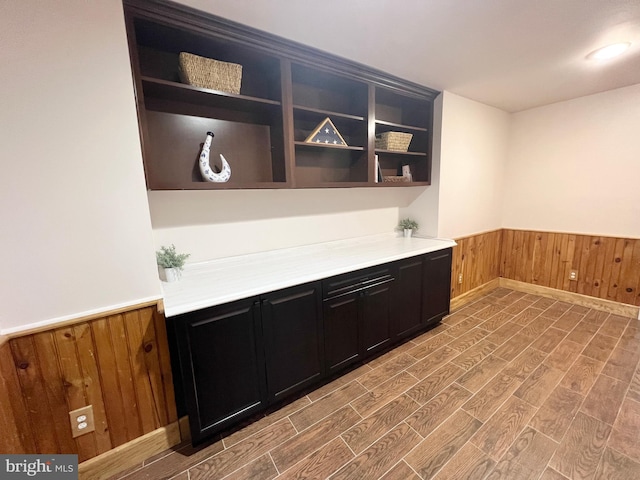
(610, 51)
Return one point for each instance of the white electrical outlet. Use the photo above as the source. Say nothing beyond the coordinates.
(459, 279)
(82, 421)
(573, 275)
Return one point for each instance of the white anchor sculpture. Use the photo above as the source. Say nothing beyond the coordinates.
(205, 169)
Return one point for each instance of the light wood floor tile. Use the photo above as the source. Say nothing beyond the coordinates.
(479, 375)
(625, 436)
(401, 471)
(622, 364)
(489, 398)
(496, 321)
(439, 447)
(549, 340)
(504, 333)
(568, 321)
(515, 346)
(555, 415)
(524, 364)
(470, 463)
(615, 466)
(614, 326)
(556, 310)
(498, 433)
(630, 339)
(539, 385)
(564, 355)
(469, 339)
(605, 399)
(527, 457)
(303, 444)
(597, 317)
(368, 403)
(381, 456)
(474, 355)
(579, 453)
(429, 346)
(583, 333)
(429, 417)
(525, 317)
(582, 375)
(366, 432)
(600, 347)
(317, 410)
(551, 474)
(321, 463)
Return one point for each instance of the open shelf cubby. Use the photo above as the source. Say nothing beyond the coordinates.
(286, 91)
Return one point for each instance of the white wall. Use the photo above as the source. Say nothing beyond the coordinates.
(473, 154)
(76, 235)
(574, 166)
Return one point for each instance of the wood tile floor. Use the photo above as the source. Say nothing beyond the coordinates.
(513, 386)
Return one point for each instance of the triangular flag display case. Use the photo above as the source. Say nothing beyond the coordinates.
(326, 133)
(274, 131)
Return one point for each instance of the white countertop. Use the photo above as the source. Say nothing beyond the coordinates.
(224, 280)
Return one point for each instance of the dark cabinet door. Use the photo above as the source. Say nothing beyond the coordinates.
(436, 286)
(407, 299)
(375, 315)
(341, 331)
(222, 364)
(292, 326)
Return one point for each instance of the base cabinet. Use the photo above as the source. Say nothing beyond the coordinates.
(222, 365)
(238, 358)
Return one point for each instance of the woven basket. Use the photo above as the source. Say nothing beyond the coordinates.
(395, 179)
(394, 141)
(208, 73)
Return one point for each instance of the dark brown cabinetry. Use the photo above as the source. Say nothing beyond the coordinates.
(238, 358)
(292, 327)
(436, 286)
(357, 315)
(286, 91)
(222, 365)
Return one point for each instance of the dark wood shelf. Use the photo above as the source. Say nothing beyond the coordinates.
(174, 91)
(401, 126)
(328, 145)
(328, 113)
(410, 154)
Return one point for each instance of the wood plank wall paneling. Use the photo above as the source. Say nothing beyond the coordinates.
(119, 364)
(477, 258)
(607, 267)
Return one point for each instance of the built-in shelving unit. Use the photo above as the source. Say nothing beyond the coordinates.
(286, 91)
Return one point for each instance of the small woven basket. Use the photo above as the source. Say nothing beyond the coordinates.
(395, 179)
(394, 141)
(209, 73)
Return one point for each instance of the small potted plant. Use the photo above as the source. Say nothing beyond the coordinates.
(170, 263)
(407, 225)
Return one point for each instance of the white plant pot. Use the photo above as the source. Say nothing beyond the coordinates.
(407, 232)
(170, 274)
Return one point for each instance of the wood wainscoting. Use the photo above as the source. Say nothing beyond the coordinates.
(118, 363)
(477, 259)
(607, 267)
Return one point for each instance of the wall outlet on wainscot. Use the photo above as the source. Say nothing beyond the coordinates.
(459, 279)
(573, 275)
(82, 421)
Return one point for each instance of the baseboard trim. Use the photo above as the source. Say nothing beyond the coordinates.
(129, 454)
(576, 298)
(467, 297)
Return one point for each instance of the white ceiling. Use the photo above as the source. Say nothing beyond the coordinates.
(511, 54)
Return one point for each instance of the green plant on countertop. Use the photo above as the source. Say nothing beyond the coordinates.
(167, 257)
(408, 224)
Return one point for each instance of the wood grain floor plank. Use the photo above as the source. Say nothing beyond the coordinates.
(579, 453)
(430, 386)
(368, 403)
(615, 466)
(469, 339)
(549, 340)
(239, 455)
(597, 317)
(338, 382)
(312, 413)
(555, 415)
(583, 333)
(429, 417)
(321, 463)
(462, 327)
(260, 469)
(622, 364)
(429, 346)
(539, 385)
(401, 471)
(536, 327)
(624, 437)
(525, 317)
(479, 375)
(470, 463)
(524, 364)
(366, 432)
(381, 456)
(556, 310)
(439, 447)
(551, 474)
(604, 399)
(491, 396)
(504, 333)
(515, 346)
(498, 433)
(474, 355)
(433, 362)
(563, 356)
(630, 339)
(305, 443)
(568, 321)
(600, 347)
(582, 374)
(614, 326)
(544, 303)
(496, 321)
(382, 373)
(526, 458)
